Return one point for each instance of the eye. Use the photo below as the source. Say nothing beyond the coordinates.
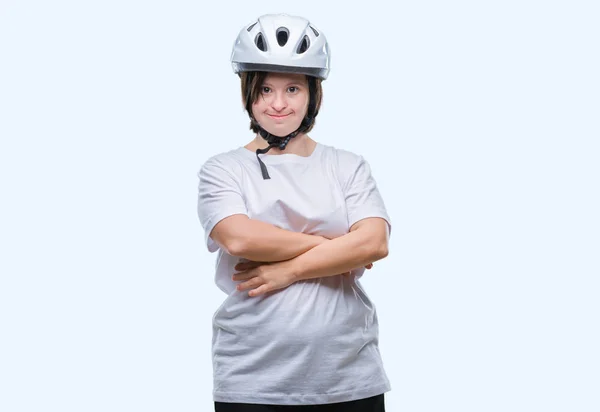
(266, 89)
(292, 89)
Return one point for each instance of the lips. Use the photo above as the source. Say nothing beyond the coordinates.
(277, 116)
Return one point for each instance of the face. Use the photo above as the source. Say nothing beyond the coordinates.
(282, 103)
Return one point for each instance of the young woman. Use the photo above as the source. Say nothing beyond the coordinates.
(295, 223)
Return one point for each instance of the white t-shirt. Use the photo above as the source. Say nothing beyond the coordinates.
(315, 341)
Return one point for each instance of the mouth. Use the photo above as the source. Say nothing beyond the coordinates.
(277, 116)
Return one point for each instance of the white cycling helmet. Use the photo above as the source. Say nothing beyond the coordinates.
(281, 43)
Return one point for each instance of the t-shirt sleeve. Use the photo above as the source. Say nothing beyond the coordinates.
(219, 196)
(363, 199)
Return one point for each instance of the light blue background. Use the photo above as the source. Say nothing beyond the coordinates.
(481, 124)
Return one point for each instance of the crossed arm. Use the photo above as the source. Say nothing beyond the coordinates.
(307, 256)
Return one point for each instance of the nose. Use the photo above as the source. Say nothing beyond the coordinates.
(279, 102)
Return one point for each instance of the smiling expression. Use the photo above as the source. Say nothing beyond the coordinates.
(282, 103)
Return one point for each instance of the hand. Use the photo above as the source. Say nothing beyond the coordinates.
(250, 270)
(263, 277)
(369, 266)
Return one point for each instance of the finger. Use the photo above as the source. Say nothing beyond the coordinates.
(369, 266)
(259, 291)
(252, 283)
(247, 265)
(249, 274)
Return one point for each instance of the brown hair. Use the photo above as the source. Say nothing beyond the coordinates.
(252, 82)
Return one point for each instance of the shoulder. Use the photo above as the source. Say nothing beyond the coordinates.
(229, 161)
(221, 170)
(345, 163)
(342, 158)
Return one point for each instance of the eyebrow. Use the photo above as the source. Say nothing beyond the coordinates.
(288, 84)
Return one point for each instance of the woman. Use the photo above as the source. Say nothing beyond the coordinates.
(287, 216)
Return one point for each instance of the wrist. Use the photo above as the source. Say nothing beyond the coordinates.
(294, 269)
(321, 240)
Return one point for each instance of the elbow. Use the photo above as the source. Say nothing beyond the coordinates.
(235, 248)
(380, 252)
(230, 234)
(240, 245)
(231, 245)
(384, 251)
(376, 237)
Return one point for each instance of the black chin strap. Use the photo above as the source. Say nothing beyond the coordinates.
(277, 141)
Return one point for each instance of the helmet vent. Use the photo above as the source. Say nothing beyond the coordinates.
(252, 26)
(260, 42)
(314, 31)
(282, 36)
(304, 45)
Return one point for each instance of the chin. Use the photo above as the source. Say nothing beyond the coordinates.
(280, 130)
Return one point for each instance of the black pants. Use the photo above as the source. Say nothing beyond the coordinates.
(372, 404)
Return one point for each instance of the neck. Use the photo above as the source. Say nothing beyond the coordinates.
(301, 145)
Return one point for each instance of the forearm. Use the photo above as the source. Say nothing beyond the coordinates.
(264, 242)
(333, 257)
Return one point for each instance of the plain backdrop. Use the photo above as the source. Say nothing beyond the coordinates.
(481, 124)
